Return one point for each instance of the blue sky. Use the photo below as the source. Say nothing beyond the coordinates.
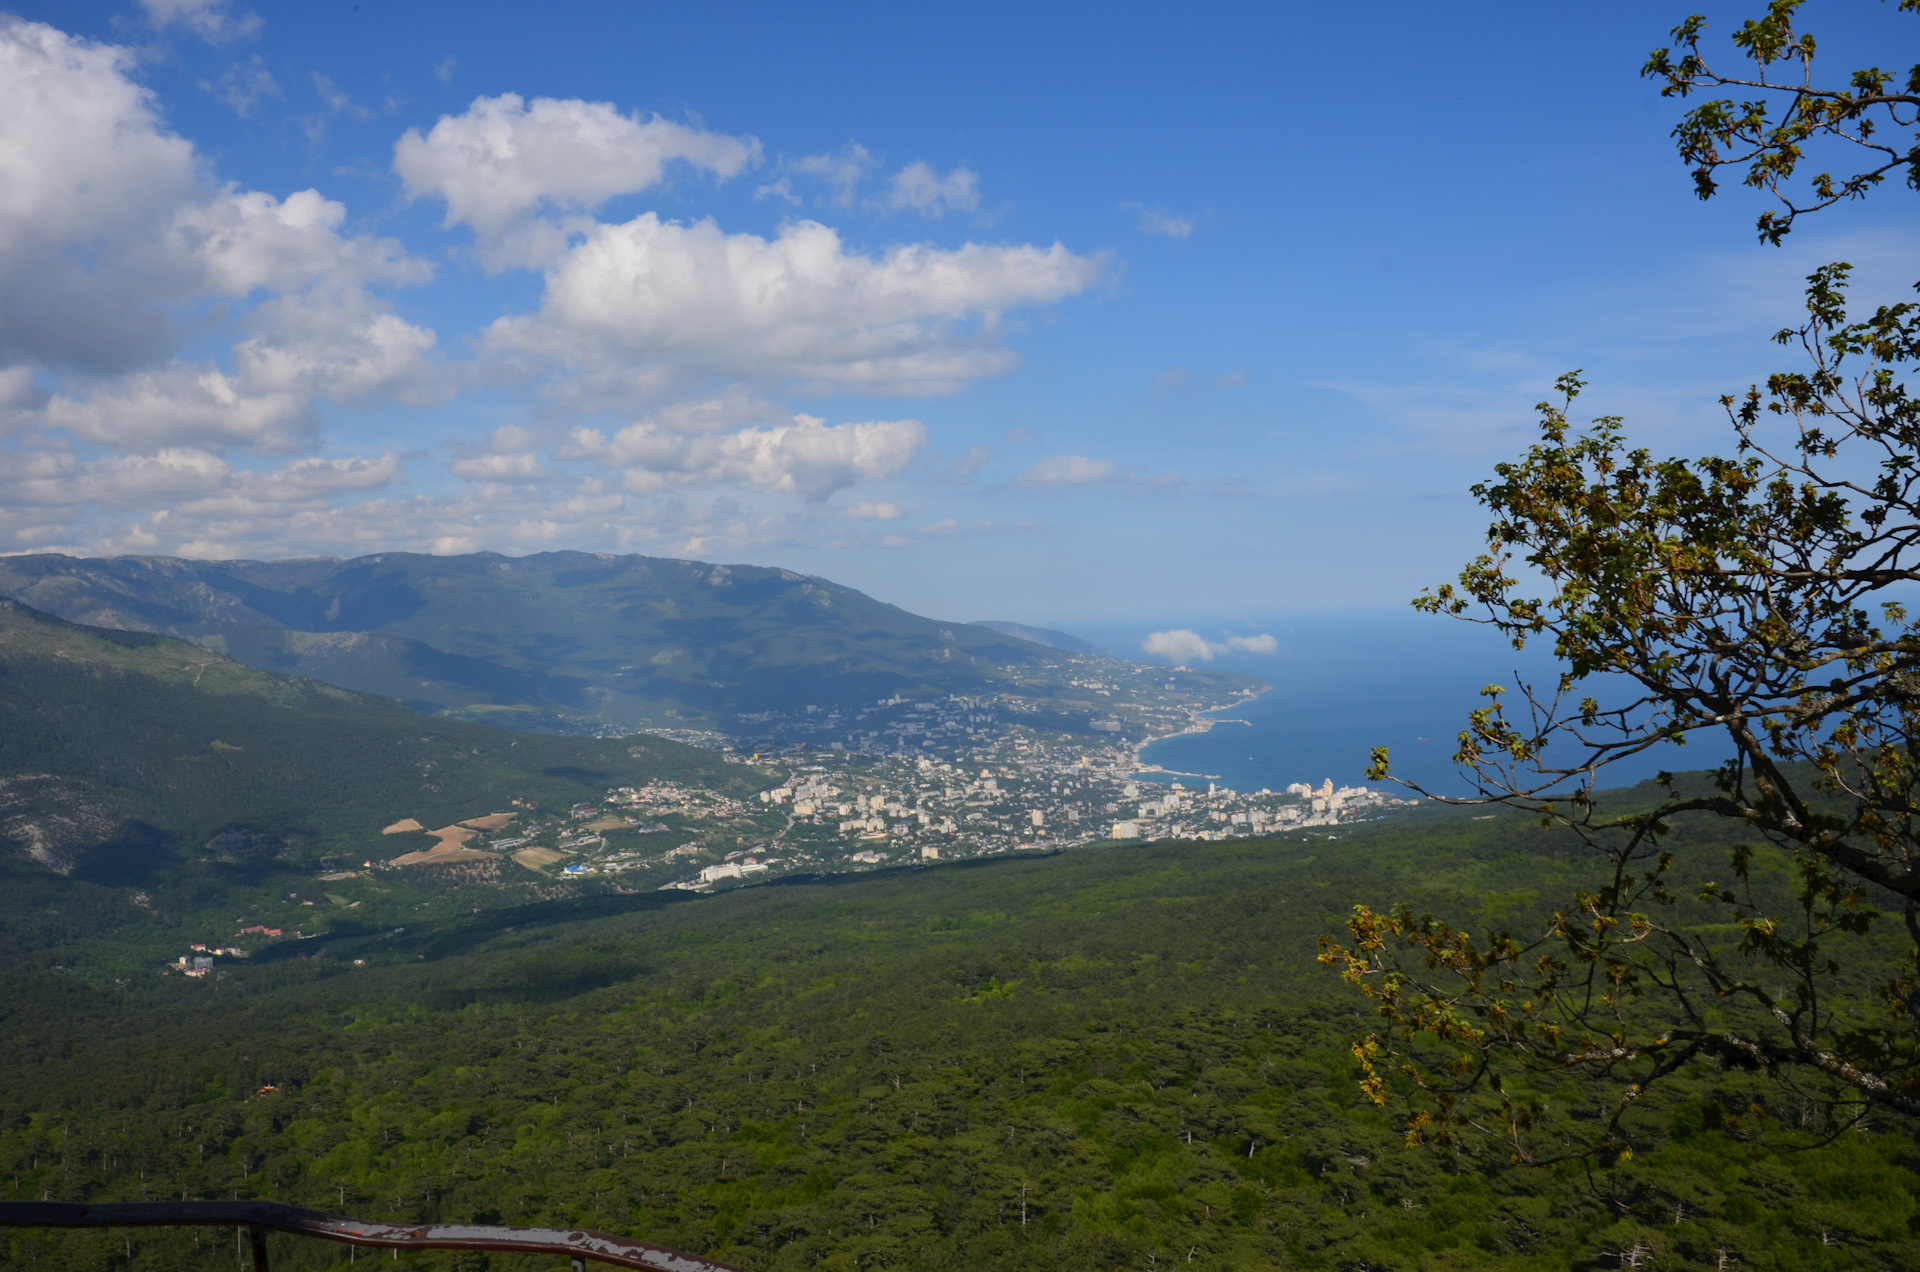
(1074, 313)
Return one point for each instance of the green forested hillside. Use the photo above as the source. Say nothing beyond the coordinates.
(121, 752)
(1111, 1058)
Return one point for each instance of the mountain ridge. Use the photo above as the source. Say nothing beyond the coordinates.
(562, 641)
(1051, 637)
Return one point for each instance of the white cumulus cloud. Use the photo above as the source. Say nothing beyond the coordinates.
(807, 456)
(189, 484)
(1183, 645)
(1180, 645)
(109, 225)
(338, 342)
(241, 241)
(118, 244)
(184, 403)
(84, 161)
(504, 161)
(693, 300)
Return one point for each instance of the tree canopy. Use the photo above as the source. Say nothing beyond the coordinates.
(1761, 598)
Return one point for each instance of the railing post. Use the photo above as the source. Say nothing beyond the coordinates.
(251, 1221)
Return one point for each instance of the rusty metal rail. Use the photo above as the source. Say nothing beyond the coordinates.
(260, 1217)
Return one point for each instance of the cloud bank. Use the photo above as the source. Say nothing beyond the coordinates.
(178, 352)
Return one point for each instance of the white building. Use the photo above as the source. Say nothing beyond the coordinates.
(729, 870)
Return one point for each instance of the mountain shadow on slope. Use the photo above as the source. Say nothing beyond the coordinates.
(120, 750)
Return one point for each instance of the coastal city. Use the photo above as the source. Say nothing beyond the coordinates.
(902, 783)
(923, 781)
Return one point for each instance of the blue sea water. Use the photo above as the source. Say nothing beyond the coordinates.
(1346, 683)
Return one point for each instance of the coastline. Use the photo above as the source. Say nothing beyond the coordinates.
(1198, 721)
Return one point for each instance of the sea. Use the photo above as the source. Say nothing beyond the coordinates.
(1344, 683)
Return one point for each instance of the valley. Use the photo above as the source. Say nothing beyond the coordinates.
(456, 809)
(325, 817)
(953, 984)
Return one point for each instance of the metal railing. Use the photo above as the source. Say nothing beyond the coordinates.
(257, 1218)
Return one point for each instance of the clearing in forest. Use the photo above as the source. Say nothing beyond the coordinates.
(443, 855)
(402, 826)
(451, 837)
(452, 847)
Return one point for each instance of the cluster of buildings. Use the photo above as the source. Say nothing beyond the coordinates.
(934, 779)
(1015, 791)
(1297, 808)
(660, 799)
(199, 959)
